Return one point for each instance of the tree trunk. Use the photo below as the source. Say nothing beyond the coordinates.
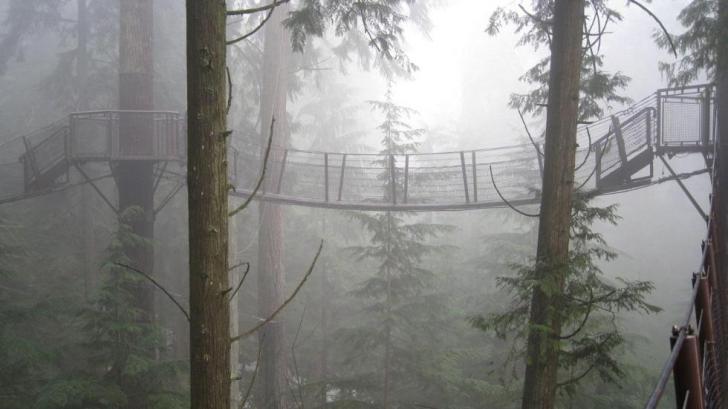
(207, 183)
(135, 179)
(388, 317)
(271, 275)
(325, 295)
(721, 80)
(539, 391)
(87, 194)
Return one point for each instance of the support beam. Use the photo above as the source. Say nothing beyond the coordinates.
(684, 188)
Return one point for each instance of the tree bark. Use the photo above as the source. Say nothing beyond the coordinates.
(721, 195)
(207, 183)
(540, 381)
(134, 178)
(271, 275)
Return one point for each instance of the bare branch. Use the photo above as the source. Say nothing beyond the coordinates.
(662, 26)
(521, 212)
(230, 90)
(262, 173)
(588, 152)
(242, 280)
(254, 10)
(156, 284)
(256, 29)
(285, 303)
(528, 132)
(255, 375)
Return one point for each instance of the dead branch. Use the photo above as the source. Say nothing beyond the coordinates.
(662, 26)
(588, 151)
(285, 303)
(262, 173)
(156, 284)
(255, 375)
(230, 90)
(242, 280)
(528, 132)
(253, 10)
(257, 28)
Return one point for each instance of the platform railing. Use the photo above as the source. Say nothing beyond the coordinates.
(699, 351)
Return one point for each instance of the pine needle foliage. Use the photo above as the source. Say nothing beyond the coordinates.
(402, 311)
(698, 45)
(121, 369)
(599, 88)
(589, 307)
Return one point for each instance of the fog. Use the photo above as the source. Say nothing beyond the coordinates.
(400, 309)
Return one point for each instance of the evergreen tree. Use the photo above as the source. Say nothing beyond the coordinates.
(402, 310)
(592, 339)
(118, 370)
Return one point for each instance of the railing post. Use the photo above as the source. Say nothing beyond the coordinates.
(283, 170)
(475, 178)
(406, 177)
(341, 176)
(393, 179)
(598, 158)
(465, 176)
(687, 373)
(326, 177)
(704, 312)
(705, 128)
(658, 121)
(620, 139)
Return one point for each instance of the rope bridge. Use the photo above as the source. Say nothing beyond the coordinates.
(615, 153)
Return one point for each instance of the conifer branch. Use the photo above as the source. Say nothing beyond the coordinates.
(285, 303)
(156, 284)
(528, 132)
(262, 173)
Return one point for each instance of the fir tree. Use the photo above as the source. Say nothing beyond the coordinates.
(589, 306)
(119, 371)
(402, 309)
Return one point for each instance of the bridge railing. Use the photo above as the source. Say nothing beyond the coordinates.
(126, 135)
(699, 347)
(686, 118)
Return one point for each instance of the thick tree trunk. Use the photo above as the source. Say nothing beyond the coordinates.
(721, 79)
(271, 275)
(87, 194)
(207, 183)
(324, 346)
(387, 362)
(135, 179)
(540, 381)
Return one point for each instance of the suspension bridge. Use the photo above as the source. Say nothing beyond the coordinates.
(616, 153)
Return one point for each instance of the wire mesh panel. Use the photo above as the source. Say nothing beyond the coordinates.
(126, 135)
(687, 116)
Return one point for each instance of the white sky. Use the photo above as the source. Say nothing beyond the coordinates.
(466, 76)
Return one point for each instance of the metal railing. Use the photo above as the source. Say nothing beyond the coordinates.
(698, 357)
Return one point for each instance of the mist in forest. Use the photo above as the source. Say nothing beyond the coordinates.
(416, 171)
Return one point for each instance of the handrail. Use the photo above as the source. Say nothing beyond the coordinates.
(669, 365)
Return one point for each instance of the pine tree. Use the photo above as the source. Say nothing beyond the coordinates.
(118, 369)
(401, 307)
(592, 339)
